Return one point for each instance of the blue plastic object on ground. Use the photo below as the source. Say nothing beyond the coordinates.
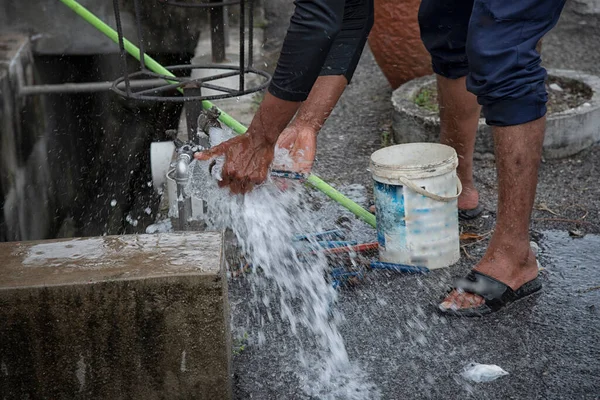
(332, 244)
(407, 269)
(333, 234)
(340, 276)
(288, 175)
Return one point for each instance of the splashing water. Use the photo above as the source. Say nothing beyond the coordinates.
(265, 222)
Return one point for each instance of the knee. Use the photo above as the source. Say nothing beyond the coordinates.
(505, 69)
(427, 19)
(443, 34)
(508, 80)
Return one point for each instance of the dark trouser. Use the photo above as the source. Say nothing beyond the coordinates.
(492, 43)
(325, 37)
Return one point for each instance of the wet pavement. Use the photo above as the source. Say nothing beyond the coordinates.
(549, 344)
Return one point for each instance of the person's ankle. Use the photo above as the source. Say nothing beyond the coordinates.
(469, 198)
(515, 249)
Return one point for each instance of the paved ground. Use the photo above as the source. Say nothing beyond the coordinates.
(548, 344)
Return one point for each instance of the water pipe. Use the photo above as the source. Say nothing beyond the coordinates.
(227, 119)
(184, 203)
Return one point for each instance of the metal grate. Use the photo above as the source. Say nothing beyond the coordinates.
(181, 87)
(196, 4)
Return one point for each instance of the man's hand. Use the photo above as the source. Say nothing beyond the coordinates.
(302, 146)
(248, 157)
(247, 161)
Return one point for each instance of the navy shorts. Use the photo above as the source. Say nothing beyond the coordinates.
(492, 43)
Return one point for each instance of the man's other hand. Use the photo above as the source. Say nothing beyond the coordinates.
(302, 146)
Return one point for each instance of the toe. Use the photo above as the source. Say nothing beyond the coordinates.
(459, 300)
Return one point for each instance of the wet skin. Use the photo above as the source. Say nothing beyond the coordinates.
(249, 156)
(518, 149)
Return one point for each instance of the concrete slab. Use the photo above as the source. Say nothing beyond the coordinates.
(135, 317)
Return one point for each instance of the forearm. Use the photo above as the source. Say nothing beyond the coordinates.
(272, 117)
(274, 114)
(313, 28)
(323, 97)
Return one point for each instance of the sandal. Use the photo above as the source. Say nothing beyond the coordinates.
(496, 294)
(467, 215)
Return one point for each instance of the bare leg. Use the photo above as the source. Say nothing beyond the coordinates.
(509, 257)
(459, 116)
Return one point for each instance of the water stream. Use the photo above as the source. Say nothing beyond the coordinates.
(288, 279)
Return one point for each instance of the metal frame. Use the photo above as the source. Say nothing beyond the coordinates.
(173, 83)
(191, 88)
(199, 5)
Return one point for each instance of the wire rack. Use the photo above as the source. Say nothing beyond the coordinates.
(181, 87)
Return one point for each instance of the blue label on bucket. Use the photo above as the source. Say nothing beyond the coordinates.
(391, 225)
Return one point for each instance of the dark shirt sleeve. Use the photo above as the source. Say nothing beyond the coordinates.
(313, 28)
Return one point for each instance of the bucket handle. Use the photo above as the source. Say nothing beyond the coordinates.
(408, 183)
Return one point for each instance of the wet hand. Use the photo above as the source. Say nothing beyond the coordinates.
(247, 161)
(302, 146)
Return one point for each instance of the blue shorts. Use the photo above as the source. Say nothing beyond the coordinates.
(492, 43)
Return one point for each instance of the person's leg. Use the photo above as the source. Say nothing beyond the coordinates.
(508, 79)
(459, 118)
(444, 28)
(509, 257)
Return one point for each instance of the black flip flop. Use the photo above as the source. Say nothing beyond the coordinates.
(467, 215)
(496, 294)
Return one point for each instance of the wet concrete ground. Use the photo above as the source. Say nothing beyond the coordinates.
(549, 344)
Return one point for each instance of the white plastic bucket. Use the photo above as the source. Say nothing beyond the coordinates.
(415, 190)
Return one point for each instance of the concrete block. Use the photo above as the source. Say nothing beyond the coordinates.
(128, 317)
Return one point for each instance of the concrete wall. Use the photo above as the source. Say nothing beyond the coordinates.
(67, 158)
(25, 183)
(64, 159)
(132, 317)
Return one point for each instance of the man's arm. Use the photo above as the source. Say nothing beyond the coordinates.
(300, 137)
(313, 28)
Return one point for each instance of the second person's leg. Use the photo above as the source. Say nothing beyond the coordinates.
(508, 79)
(444, 26)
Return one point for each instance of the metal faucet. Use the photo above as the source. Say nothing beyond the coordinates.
(206, 120)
